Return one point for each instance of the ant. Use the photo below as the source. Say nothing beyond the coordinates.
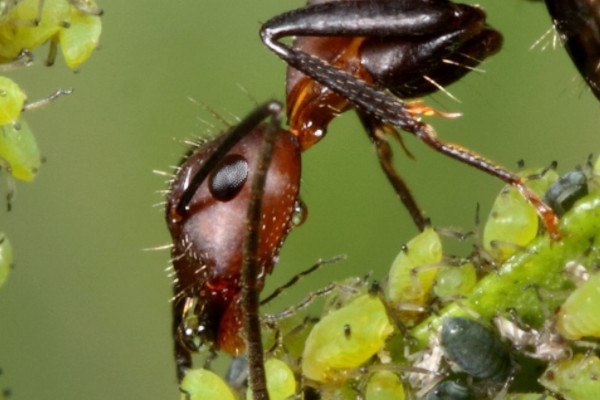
(233, 199)
(578, 23)
(370, 54)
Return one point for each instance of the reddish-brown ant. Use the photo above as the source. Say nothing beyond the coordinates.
(578, 24)
(354, 52)
(227, 231)
(229, 208)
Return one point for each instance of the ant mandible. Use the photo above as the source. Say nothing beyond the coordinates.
(355, 52)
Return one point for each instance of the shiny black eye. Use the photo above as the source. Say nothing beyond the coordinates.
(228, 178)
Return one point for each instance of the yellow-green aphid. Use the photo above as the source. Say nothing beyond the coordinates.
(540, 265)
(384, 385)
(281, 383)
(345, 338)
(23, 27)
(414, 270)
(455, 281)
(81, 38)
(19, 153)
(513, 221)
(202, 384)
(6, 258)
(575, 379)
(579, 315)
(12, 99)
(62, 22)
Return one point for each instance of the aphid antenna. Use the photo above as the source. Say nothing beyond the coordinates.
(455, 233)
(320, 263)
(45, 101)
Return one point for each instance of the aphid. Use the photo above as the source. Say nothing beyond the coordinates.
(578, 25)
(454, 281)
(563, 193)
(579, 315)
(281, 382)
(352, 52)
(6, 258)
(202, 384)
(449, 390)
(237, 373)
(513, 221)
(475, 349)
(575, 379)
(331, 355)
(413, 272)
(384, 385)
(19, 153)
(207, 208)
(73, 24)
(12, 99)
(541, 264)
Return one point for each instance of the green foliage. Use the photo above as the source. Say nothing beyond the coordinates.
(368, 344)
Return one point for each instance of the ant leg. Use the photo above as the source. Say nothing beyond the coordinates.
(299, 276)
(251, 267)
(24, 59)
(376, 130)
(391, 110)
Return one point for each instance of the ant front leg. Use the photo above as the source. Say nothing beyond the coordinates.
(431, 33)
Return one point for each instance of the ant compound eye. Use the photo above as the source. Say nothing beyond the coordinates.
(229, 177)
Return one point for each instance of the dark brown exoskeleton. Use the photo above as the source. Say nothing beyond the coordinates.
(368, 54)
(578, 24)
(219, 231)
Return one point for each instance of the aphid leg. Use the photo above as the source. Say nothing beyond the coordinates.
(251, 267)
(301, 275)
(376, 131)
(212, 356)
(24, 59)
(43, 102)
(52, 51)
(85, 7)
(390, 109)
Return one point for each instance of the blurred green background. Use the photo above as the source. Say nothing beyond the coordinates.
(85, 313)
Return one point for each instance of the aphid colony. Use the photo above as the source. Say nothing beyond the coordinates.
(72, 25)
(519, 318)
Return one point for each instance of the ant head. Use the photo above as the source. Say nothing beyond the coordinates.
(207, 215)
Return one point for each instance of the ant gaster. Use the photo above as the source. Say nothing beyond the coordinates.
(354, 52)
